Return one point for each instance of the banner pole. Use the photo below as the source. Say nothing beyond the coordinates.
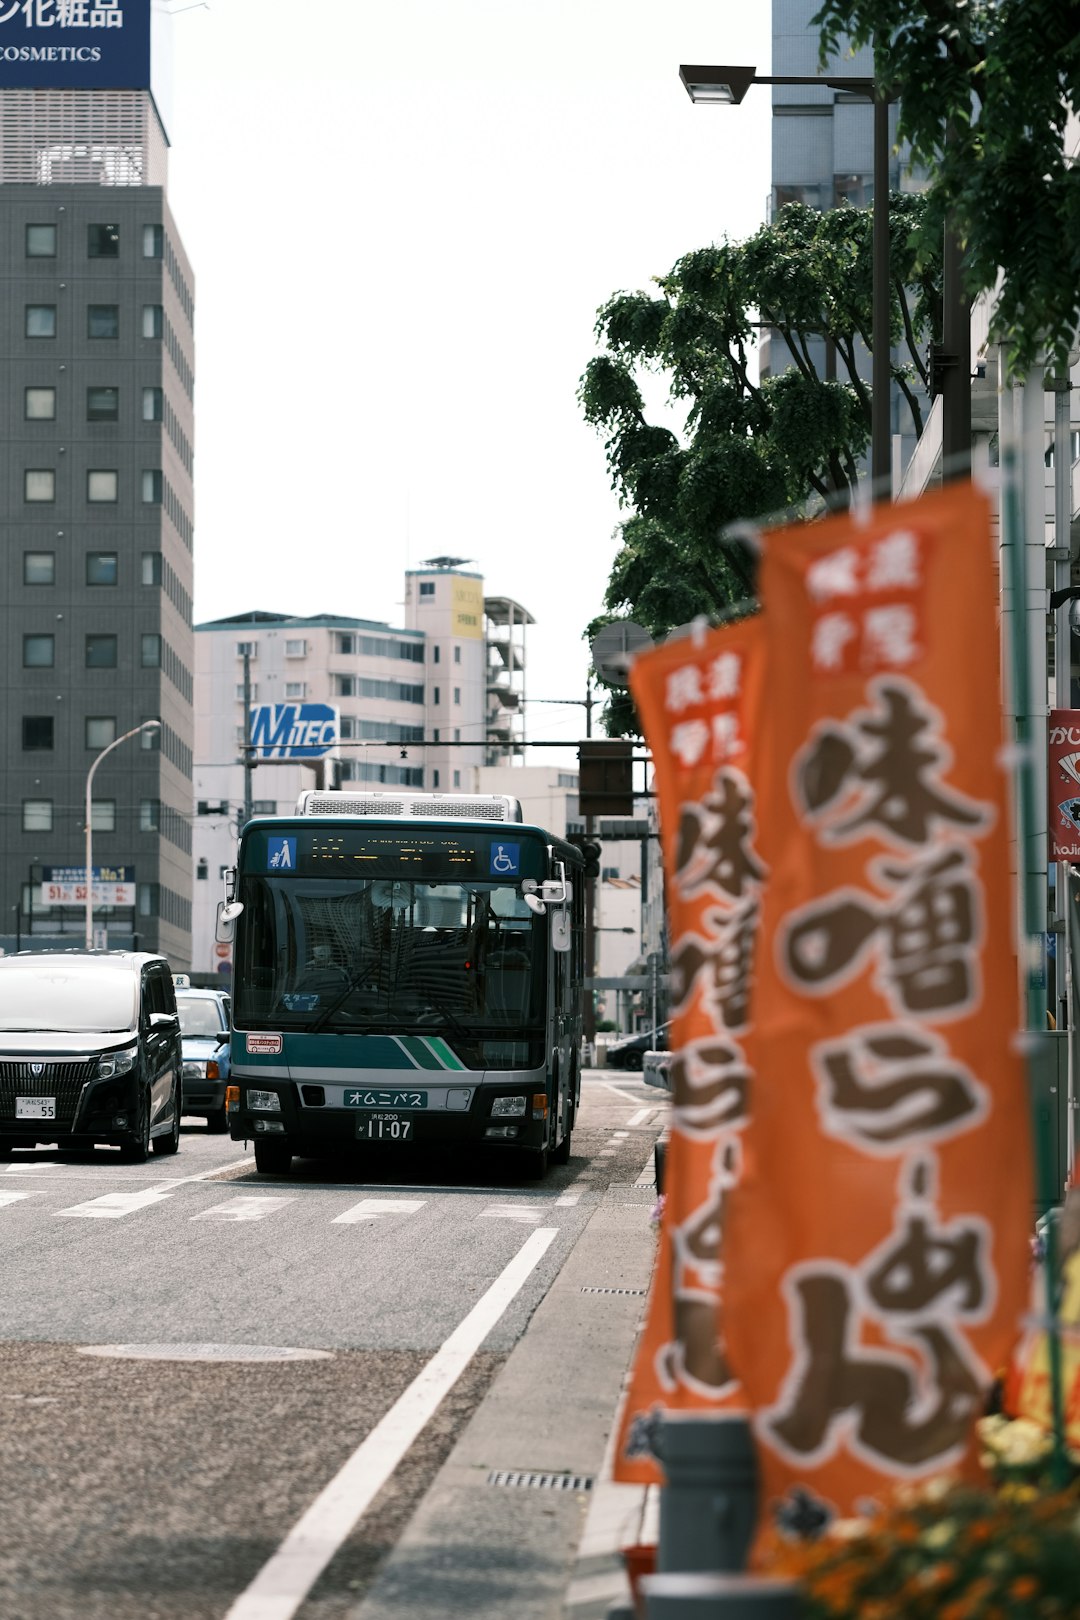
(1031, 928)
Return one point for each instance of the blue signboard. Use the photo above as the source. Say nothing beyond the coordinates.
(281, 854)
(293, 730)
(80, 44)
(505, 860)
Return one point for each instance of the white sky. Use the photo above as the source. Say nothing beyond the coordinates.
(403, 215)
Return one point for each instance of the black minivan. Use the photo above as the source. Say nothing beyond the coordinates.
(89, 1052)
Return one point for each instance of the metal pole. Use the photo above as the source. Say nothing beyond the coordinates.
(249, 763)
(956, 372)
(588, 1020)
(881, 376)
(88, 931)
(1063, 700)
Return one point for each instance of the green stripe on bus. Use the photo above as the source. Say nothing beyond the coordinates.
(450, 1060)
(420, 1052)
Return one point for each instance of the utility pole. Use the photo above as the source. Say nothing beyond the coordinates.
(249, 763)
(589, 1010)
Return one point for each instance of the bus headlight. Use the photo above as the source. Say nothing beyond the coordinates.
(267, 1101)
(507, 1107)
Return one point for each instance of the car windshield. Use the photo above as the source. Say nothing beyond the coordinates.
(354, 955)
(200, 1016)
(69, 1000)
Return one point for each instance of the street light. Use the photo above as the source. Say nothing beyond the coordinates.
(726, 86)
(147, 725)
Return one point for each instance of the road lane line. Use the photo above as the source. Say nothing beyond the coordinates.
(626, 1098)
(242, 1209)
(283, 1583)
(370, 1209)
(512, 1212)
(110, 1206)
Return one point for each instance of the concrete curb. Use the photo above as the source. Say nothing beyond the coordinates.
(473, 1549)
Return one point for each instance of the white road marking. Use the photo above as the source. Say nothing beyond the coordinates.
(622, 1094)
(607, 1153)
(14, 1197)
(283, 1583)
(567, 1198)
(617, 1136)
(647, 1178)
(530, 1213)
(370, 1209)
(111, 1206)
(242, 1209)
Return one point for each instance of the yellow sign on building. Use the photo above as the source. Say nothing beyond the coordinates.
(467, 616)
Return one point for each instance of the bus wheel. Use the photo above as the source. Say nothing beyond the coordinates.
(272, 1158)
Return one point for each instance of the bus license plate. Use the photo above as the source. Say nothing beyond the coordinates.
(35, 1108)
(383, 1128)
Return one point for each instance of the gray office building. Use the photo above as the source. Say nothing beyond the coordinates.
(97, 428)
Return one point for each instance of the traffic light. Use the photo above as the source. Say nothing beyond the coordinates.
(590, 849)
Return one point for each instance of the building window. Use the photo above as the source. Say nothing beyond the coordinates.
(39, 568)
(264, 807)
(41, 320)
(457, 655)
(153, 241)
(152, 404)
(148, 898)
(457, 733)
(247, 649)
(102, 404)
(457, 779)
(435, 734)
(150, 653)
(434, 778)
(37, 731)
(434, 655)
(39, 484)
(457, 694)
(37, 815)
(100, 730)
(103, 486)
(202, 869)
(296, 649)
(149, 814)
(427, 587)
(253, 687)
(346, 643)
(103, 320)
(151, 487)
(435, 694)
(101, 652)
(39, 404)
(41, 241)
(101, 568)
(103, 241)
(151, 567)
(103, 815)
(295, 689)
(151, 320)
(39, 652)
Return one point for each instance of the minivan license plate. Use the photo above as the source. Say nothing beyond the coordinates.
(383, 1128)
(35, 1108)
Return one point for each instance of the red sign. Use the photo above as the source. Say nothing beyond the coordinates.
(1063, 795)
(264, 1045)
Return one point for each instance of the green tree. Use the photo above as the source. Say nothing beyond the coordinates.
(985, 88)
(741, 446)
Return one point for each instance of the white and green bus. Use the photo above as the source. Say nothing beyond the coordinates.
(407, 969)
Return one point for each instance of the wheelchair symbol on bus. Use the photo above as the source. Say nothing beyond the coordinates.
(505, 860)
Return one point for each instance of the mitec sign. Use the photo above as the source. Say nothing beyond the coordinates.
(293, 731)
(76, 44)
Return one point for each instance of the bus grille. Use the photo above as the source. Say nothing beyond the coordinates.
(466, 807)
(64, 1081)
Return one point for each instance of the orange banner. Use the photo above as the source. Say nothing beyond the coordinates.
(699, 699)
(877, 1245)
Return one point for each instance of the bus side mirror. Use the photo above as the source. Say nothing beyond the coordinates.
(560, 930)
(225, 926)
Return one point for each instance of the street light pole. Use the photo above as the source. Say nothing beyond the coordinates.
(147, 725)
(726, 86)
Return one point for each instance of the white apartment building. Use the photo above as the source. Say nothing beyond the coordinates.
(413, 705)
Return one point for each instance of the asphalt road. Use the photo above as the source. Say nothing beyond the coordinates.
(138, 1486)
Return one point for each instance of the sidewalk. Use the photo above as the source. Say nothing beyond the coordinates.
(503, 1534)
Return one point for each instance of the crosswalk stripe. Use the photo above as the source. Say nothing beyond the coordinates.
(511, 1212)
(371, 1209)
(110, 1206)
(14, 1197)
(242, 1209)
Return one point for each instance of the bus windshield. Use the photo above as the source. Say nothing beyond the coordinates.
(387, 955)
